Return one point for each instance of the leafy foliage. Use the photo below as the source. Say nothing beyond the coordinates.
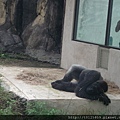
(40, 108)
(9, 105)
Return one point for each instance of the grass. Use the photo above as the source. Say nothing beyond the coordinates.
(10, 104)
(41, 108)
(12, 55)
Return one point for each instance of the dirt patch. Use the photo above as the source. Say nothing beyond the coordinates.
(45, 76)
(32, 78)
(112, 88)
(41, 76)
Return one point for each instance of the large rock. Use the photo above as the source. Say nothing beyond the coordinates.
(2, 12)
(37, 24)
(10, 42)
(42, 37)
(9, 39)
(45, 31)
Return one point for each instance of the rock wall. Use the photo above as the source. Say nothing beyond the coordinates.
(10, 41)
(2, 12)
(32, 26)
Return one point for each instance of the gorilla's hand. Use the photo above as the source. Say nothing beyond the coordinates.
(57, 85)
(64, 86)
(104, 98)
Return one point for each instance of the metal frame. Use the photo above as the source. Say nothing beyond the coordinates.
(110, 6)
(108, 25)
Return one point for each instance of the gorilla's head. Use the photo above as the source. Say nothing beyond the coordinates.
(90, 91)
(103, 85)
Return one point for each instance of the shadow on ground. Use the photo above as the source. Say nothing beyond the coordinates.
(26, 63)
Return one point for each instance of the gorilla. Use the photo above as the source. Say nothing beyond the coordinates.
(89, 84)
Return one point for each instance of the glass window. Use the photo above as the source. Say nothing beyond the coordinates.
(114, 39)
(92, 21)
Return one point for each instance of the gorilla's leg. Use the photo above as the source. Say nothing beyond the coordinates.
(97, 88)
(87, 78)
(64, 86)
(72, 73)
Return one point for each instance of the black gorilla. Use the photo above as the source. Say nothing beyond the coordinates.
(89, 84)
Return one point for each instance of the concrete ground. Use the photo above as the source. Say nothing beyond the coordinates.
(33, 83)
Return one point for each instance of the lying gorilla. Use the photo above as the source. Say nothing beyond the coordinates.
(89, 84)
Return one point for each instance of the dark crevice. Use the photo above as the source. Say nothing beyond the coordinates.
(25, 14)
(29, 12)
(19, 16)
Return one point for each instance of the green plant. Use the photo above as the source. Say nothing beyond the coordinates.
(8, 106)
(40, 108)
(2, 55)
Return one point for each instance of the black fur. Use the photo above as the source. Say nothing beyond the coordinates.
(89, 84)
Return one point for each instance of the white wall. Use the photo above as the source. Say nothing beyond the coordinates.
(86, 54)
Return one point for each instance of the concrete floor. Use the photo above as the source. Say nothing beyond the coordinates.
(65, 101)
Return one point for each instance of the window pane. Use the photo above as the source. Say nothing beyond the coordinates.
(115, 25)
(92, 19)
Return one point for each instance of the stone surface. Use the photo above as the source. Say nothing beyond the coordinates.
(43, 35)
(9, 39)
(10, 42)
(43, 92)
(2, 12)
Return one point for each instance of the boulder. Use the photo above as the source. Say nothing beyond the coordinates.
(32, 25)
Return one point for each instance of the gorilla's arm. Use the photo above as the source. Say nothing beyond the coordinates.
(104, 98)
(64, 86)
(86, 78)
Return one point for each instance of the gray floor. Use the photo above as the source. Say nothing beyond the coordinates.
(40, 90)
